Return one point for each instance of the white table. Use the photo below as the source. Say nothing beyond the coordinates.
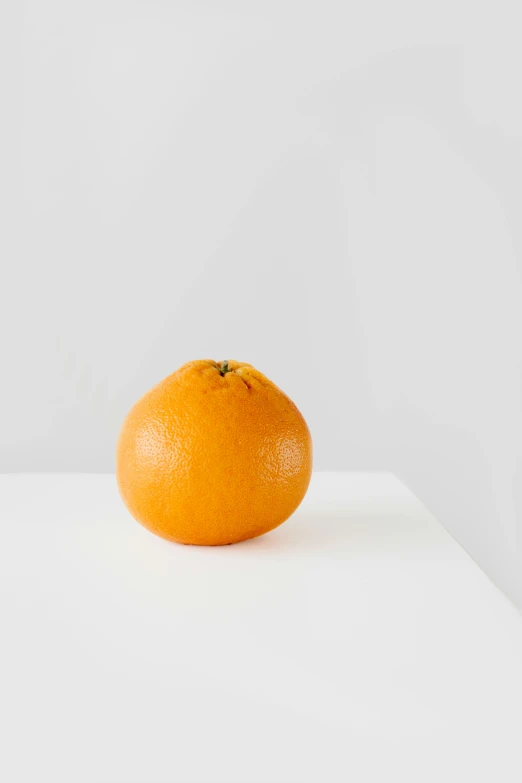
(358, 642)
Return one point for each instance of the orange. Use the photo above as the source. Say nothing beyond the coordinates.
(214, 454)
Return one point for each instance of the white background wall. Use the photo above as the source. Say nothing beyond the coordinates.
(329, 191)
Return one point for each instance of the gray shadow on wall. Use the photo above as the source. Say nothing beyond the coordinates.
(428, 84)
(447, 470)
(477, 495)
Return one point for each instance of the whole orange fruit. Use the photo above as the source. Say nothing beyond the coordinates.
(213, 454)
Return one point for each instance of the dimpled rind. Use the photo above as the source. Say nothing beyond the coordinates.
(210, 458)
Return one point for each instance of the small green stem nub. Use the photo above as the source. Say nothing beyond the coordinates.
(224, 367)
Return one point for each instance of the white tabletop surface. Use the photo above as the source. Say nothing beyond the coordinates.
(357, 642)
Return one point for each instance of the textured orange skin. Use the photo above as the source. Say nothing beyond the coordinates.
(205, 458)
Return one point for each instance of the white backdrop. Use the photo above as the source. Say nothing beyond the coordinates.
(331, 192)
